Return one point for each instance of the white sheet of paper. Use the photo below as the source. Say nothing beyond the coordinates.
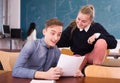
(42, 81)
(69, 64)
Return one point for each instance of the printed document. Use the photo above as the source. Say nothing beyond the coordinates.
(70, 64)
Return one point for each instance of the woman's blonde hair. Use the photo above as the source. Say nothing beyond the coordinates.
(89, 10)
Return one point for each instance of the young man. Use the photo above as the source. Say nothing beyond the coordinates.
(38, 58)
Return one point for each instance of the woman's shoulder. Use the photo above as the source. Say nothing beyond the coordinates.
(96, 24)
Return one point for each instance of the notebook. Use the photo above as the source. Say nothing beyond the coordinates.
(42, 81)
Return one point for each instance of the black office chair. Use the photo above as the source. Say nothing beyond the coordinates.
(16, 33)
(6, 31)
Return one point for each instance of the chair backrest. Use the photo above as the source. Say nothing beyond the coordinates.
(102, 71)
(66, 51)
(16, 33)
(6, 30)
(2, 71)
(8, 59)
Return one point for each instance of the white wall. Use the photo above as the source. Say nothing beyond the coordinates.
(1, 8)
(13, 17)
(14, 13)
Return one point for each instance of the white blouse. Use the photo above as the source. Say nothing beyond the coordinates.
(32, 36)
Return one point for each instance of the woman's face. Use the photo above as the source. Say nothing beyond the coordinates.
(83, 20)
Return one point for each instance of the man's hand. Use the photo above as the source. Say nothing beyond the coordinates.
(52, 74)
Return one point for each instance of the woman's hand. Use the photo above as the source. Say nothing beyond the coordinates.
(78, 73)
(91, 39)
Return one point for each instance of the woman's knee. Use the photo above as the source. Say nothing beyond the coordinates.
(101, 43)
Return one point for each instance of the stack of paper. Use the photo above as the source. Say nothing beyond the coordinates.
(70, 64)
(42, 81)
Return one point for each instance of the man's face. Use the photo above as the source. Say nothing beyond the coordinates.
(52, 34)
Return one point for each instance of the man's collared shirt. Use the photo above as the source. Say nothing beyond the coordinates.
(35, 56)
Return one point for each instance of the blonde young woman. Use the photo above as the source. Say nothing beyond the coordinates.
(87, 38)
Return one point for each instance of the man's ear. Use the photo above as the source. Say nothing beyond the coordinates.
(43, 31)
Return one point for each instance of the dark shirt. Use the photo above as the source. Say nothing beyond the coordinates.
(77, 40)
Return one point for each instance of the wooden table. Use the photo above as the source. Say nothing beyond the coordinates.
(115, 55)
(7, 78)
